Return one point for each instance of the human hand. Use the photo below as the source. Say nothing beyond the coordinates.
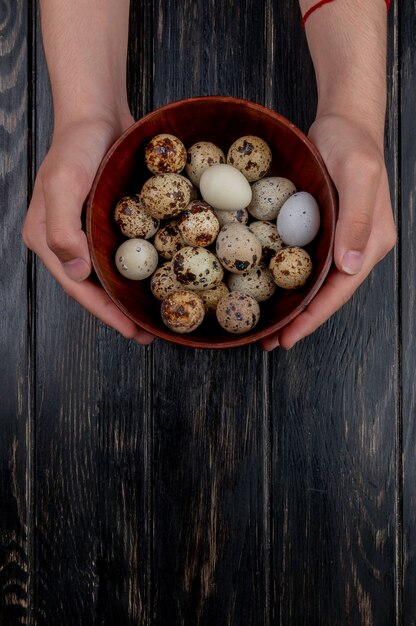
(53, 229)
(365, 230)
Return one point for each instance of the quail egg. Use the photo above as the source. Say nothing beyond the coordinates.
(227, 217)
(165, 153)
(291, 267)
(136, 259)
(168, 240)
(198, 224)
(132, 219)
(258, 283)
(238, 312)
(269, 194)
(197, 268)
(201, 156)
(165, 195)
(211, 297)
(251, 155)
(266, 233)
(224, 187)
(183, 311)
(299, 219)
(163, 282)
(237, 248)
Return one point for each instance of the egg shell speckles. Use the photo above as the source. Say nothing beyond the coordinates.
(163, 282)
(258, 283)
(268, 197)
(168, 240)
(224, 187)
(299, 219)
(238, 312)
(229, 217)
(198, 224)
(251, 155)
(136, 259)
(197, 268)
(238, 249)
(165, 195)
(165, 153)
(183, 311)
(291, 267)
(133, 220)
(212, 296)
(266, 233)
(200, 156)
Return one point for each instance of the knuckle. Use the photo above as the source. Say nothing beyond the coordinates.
(389, 241)
(27, 235)
(60, 242)
(360, 229)
(63, 175)
(365, 165)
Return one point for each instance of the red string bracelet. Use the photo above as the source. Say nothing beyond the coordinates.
(319, 4)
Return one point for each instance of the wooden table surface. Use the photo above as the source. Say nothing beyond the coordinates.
(171, 486)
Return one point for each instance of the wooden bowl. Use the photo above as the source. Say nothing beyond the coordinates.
(221, 120)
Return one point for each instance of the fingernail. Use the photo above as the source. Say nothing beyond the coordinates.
(77, 269)
(352, 262)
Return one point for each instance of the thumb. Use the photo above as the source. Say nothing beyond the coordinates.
(357, 186)
(65, 190)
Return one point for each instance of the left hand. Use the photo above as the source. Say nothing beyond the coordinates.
(365, 230)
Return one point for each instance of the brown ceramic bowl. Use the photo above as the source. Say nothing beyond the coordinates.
(220, 120)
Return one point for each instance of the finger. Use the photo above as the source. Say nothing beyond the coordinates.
(357, 186)
(65, 189)
(88, 294)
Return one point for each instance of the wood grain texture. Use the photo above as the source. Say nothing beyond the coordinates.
(408, 302)
(334, 407)
(15, 520)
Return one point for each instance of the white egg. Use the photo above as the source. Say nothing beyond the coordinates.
(136, 259)
(224, 187)
(299, 219)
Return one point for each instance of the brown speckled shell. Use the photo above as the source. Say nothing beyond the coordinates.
(168, 240)
(238, 312)
(212, 296)
(165, 195)
(258, 283)
(291, 267)
(164, 282)
(198, 224)
(267, 234)
(183, 311)
(133, 220)
(197, 268)
(251, 155)
(200, 156)
(165, 153)
(269, 195)
(238, 249)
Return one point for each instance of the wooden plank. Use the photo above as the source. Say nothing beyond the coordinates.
(334, 410)
(92, 450)
(15, 492)
(210, 420)
(408, 302)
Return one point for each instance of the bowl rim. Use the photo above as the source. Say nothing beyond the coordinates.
(234, 340)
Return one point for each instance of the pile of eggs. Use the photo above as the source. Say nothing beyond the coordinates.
(219, 240)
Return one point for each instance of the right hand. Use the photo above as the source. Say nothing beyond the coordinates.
(53, 229)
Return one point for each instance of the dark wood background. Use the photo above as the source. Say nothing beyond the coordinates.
(172, 486)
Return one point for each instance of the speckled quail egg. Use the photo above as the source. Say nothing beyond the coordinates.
(168, 240)
(237, 248)
(183, 311)
(266, 233)
(228, 217)
(291, 267)
(198, 224)
(165, 153)
(197, 268)
(163, 282)
(193, 190)
(269, 194)
(299, 219)
(224, 187)
(133, 220)
(201, 156)
(165, 195)
(258, 283)
(211, 297)
(251, 155)
(238, 312)
(136, 259)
